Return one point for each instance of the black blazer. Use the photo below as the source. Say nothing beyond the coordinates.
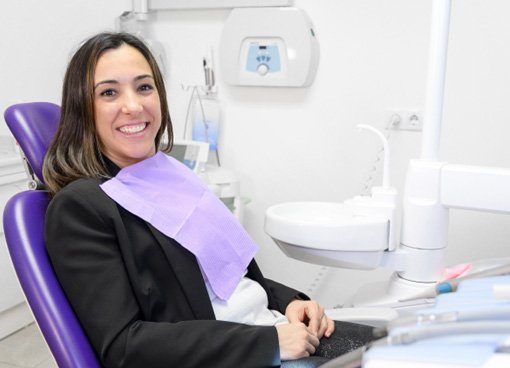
(140, 296)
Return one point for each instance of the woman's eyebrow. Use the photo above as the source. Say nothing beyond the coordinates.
(143, 76)
(113, 81)
(108, 81)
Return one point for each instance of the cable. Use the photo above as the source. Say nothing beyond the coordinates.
(190, 103)
(394, 120)
(206, 126)
(195, 95)
(319, 278)
(204, 120)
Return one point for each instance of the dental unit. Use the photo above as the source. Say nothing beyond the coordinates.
(360, 233)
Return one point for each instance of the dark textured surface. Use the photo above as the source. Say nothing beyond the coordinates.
(347, 337)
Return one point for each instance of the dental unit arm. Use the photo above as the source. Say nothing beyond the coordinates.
(360, 233)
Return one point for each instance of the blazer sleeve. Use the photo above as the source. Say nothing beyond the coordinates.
(83, 246)
(283, 295)
(279, 295)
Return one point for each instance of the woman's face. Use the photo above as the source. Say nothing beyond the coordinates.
(127, 110)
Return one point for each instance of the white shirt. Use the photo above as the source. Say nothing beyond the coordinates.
(248, 304)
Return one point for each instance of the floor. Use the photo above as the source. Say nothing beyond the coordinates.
(25, 349)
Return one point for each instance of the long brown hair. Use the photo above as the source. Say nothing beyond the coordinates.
(75, 151)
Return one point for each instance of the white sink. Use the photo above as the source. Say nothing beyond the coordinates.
(328, 233)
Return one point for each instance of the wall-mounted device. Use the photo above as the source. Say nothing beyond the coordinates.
(193, 154)
(271, 46)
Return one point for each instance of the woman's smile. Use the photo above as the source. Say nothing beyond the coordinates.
(132, 129)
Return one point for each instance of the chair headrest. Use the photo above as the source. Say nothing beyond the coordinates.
(33, 125)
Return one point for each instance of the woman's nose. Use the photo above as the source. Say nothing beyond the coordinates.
(131, 103)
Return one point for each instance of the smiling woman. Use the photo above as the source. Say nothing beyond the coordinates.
(126, 105)
(157, 269)
(99, 75)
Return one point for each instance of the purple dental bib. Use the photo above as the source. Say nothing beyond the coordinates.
(170, 197)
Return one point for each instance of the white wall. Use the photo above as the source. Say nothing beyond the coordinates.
(37, 39)
(301, 144)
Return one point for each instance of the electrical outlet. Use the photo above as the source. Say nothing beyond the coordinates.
(406, 120)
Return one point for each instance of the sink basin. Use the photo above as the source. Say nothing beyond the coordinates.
(328, 233)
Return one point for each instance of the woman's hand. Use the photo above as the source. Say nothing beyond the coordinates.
(311, 314)
(295, 341)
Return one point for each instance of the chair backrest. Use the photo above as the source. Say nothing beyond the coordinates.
(33, 126)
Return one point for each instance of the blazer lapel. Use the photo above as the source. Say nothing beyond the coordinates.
(188, 273)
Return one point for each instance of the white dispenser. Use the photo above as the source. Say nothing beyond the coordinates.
(273, 46)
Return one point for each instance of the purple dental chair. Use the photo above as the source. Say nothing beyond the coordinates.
(33, 126)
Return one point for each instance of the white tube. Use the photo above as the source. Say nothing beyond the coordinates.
(435, 79)
(448, 329)
(386, 164)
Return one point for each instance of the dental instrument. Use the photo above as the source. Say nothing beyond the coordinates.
(456, 328)
(461, 328)
(355, 357)
(451, 285)
(433, 318)
(210, 81)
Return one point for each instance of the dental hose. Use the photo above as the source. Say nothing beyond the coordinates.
(451, 285)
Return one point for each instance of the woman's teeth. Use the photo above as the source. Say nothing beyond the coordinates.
(131, 129)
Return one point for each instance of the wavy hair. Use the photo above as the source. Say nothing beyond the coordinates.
(75, 150)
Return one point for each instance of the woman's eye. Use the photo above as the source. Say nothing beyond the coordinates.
(145, 88)
(108, 93)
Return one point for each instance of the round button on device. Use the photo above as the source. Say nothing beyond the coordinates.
(262, 69)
